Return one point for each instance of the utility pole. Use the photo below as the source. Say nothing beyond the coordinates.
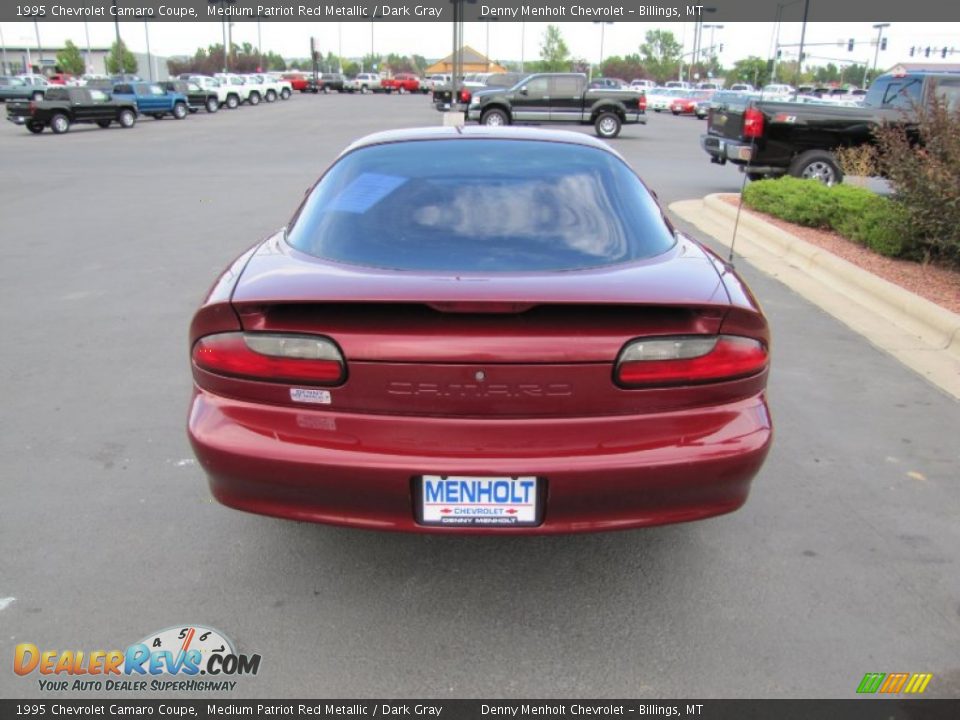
(523, 33)
(146, 30)
(36, 28)
(876, 55)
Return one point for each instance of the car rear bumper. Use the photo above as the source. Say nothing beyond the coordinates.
(721, 150)
(601, 473)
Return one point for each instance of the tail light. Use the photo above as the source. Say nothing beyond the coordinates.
(465, 96)
(689, 360)
(310, 359)
(752, 123)
(642, 102)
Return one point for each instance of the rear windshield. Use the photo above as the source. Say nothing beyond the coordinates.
(480, 206)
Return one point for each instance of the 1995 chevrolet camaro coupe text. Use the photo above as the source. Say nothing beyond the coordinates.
(480, 330)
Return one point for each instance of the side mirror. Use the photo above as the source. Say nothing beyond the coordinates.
(523, 90)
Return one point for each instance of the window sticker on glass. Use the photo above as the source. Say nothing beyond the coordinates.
(366, 191)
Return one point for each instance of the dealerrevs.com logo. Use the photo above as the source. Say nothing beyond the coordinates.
(183, 658)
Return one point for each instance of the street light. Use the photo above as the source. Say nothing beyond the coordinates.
(602, 28)
(876, 55)
(776, 43)
(711, 28)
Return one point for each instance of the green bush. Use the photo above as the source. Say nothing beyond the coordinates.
(921, 157)
(856, 213)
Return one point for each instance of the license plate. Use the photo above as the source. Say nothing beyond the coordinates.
(461, 501)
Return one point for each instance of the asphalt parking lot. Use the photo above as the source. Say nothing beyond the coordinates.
(845, 560)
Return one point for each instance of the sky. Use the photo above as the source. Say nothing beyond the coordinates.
(433, 40)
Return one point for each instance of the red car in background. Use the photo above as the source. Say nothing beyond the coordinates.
(401, 83)
(509, 338)
(687, 105)
(298, 81)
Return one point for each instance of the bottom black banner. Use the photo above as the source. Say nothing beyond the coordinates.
(859, 709)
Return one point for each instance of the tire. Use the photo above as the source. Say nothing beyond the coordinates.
(271, 96)
(233, 102)
(494, 118)
(364, 90)
(35, 126)
(285, 94)
(212, 105)
(817, 165)
(157, 116)
(59, 123)
(326, 89)
(37, 96)
(254, 98)
(180, 111)
(127, 118)
(607, 125)
(754, 177)
(104, 123)
(403, 91)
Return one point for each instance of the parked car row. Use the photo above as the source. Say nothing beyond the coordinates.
(121, 100)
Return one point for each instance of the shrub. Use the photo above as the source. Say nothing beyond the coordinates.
(856, 213)
(858, 161)
(922, 163)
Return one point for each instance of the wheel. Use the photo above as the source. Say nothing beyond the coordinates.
(754, 177)
(326, 89)
(103, 123)
(37, 96)
(271, 96)
(314, 90)
(607, 125)
(675, 112)
(179, 111)
(816, 165)
(285, 94)
(157, 116)
(233, 102)
(212, 105)
(127, 118)
(59, 123)
(494, 118)
(254, 99)
(403, 90)
(35, 126)
(364, 90)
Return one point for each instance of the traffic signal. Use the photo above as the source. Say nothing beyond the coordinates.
(943, 53)
(850, 45)
(912, 50)
(779, 53)
(927, 53)
(883, 44)
(721, 47)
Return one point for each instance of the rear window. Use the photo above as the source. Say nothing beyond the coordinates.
(480, 206)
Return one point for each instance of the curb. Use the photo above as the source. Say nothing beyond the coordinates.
(892, 318)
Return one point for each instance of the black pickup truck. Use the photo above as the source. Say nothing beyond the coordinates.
(770, 139)
(64, 106)
(196, 96)
(559, 98)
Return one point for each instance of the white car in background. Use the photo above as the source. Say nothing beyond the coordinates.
(247, 92)
(365, 83)
(776, 90)
(227, 95)
(269, 89)
(659, 98)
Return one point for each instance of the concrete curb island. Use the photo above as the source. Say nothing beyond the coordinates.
(922, 335)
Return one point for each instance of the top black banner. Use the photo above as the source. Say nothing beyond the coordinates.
(553, 11)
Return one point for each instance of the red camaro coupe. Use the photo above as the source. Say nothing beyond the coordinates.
(480, 330)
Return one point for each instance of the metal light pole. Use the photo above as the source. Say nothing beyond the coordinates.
(36, 28)
(488, 47)
(116, 22)
(711, 28)
(803, 36)
(260, 67)
(340, 47)
(86, 61)
(523, 33)
(3, 45)
(602, 28)
(146, 31)
(876, 55)
(776, 43)
(223, 27)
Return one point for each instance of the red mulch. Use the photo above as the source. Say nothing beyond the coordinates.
(937, 284)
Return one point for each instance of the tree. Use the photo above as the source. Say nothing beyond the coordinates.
(554, 53)
(661, 54)
(754, 70)
(121, 60)
(69, 60)
(626, 68)
(828, 73)
(372, 63)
